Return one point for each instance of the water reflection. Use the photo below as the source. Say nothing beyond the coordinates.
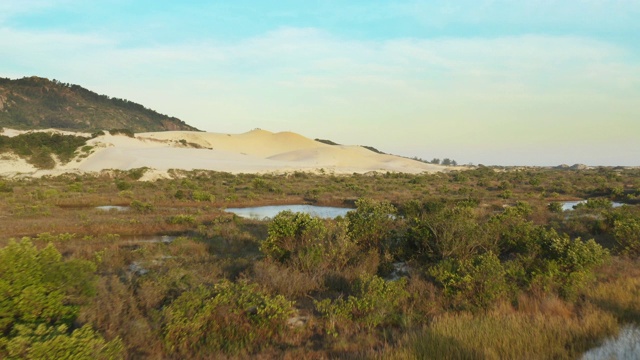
(570, 205)
(112, 207)
(262, 212)
(625, 346)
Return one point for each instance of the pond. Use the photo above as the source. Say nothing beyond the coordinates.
(569, 205)
(112, 207)
(262, 212)
(625, 346)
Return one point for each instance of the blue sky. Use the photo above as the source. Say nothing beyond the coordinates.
(493, 82)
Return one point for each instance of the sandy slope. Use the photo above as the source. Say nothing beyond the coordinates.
(256, 151)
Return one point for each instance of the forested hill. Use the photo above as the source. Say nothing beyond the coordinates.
(39, 103)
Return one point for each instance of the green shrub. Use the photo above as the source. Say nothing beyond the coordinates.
(374, 302)
(199, 195)
(182, 219)
(446, 233)
(41, 294)
(125, 132)
(475, 283)
(5, 187)
(229, 317)
(122, 185)
(137, 173)
(48, 342)
(627, 234)
(141, 207)
(564, 263)
(371, 223)
(294, 235)
(555, 207)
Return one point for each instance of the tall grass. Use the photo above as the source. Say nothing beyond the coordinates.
(506, 335)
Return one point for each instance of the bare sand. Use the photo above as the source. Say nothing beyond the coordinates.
(257, 151)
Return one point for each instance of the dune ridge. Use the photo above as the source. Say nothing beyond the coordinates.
(256, 151)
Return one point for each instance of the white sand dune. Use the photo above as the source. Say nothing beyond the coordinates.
(257, 151)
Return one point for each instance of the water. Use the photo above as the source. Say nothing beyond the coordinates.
(138, 239)
(262, 212)
(625, 346)
(112, 207)
(569, 205)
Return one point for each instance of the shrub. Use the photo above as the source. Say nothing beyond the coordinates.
(294, 235)
(627, 234)
(371, 223)
(475, 283)
(564, 263)
(141, 207)
(199, 195)
(446, 233)
(374, 302)
(39, 304)
(125, 132)
(555, 207)
(182, 219)
(230, 317)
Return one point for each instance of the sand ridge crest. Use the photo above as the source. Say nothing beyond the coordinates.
(256, 151)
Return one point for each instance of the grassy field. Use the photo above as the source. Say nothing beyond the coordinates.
(492, 267)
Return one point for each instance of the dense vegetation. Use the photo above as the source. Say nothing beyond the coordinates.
(479, 264)
(38, 103)
(38, 147)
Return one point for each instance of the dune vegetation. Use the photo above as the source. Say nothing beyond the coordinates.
(475, 264)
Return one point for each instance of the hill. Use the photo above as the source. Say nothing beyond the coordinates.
(257, 151)
(39, 103)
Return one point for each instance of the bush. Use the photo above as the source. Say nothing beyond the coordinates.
(627, 234)
(371, 223)
(41, 294)
(294, 235)
(475, 283)
(125, 132)
(374, 302)
(182, 219)
(141, 207)
(230, 317)
(199, 195)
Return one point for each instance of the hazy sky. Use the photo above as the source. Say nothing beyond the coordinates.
(539, 82)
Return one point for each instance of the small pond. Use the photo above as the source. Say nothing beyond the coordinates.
(569, 205)
(112, 207)
(625, 346)
(262, 212)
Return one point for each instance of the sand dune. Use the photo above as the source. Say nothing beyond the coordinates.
(256, 151)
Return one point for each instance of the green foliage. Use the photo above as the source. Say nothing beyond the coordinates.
(475, 283)
(555, 207)
(373, 302)
(371, 223)
(231, 317)
(125, 132)
(48, 342)
(40, 295)
(199, 195)
(38, 147)
(182, 219)
(451, 232)
(5, 187)
(123, 185)
(627, 234)
(137, 173)
(294, 235)
(562, 264)
(141, 207)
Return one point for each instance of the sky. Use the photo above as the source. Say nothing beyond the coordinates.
(493, 82)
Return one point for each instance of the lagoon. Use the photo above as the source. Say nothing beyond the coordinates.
(268, 212)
